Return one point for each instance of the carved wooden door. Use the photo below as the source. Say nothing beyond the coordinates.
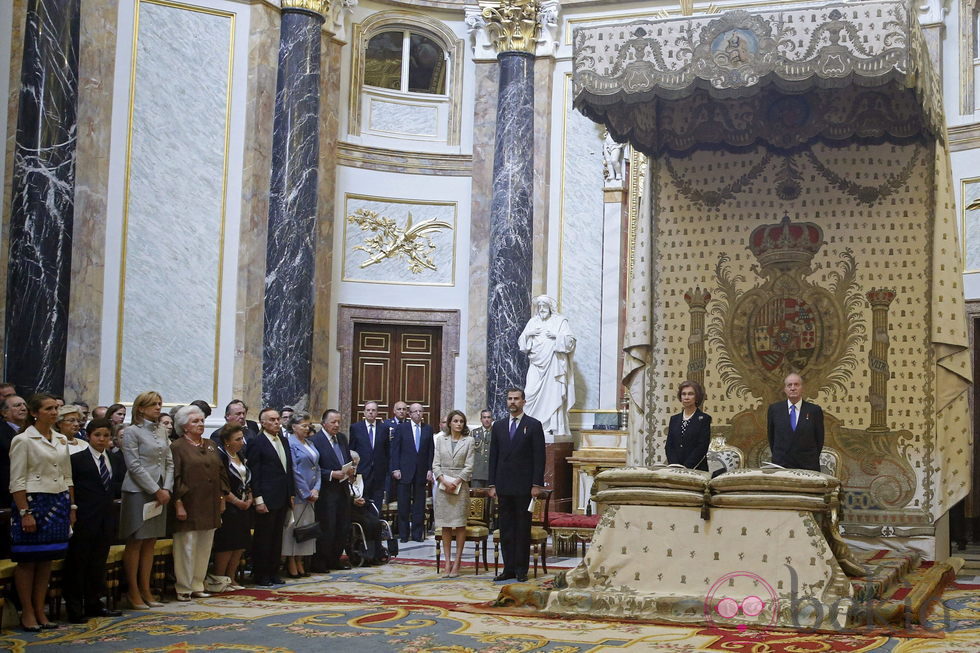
(396, 363)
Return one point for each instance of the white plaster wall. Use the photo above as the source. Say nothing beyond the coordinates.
(176, 299)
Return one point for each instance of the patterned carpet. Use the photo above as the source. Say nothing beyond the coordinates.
(405, 606)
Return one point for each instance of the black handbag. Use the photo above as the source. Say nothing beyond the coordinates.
(308, 532)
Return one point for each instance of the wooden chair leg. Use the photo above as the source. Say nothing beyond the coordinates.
(496, 565)
(544, 556)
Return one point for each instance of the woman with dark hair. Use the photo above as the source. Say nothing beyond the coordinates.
(149, 479)
(689, 431)
(116, 413)
(234, 535)
(452, 469)
(44, 507)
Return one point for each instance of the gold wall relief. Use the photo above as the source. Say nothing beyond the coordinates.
(389, 241)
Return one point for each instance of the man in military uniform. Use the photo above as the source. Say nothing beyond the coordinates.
(481, 441)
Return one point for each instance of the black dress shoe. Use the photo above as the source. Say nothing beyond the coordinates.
(275, 580)
(77, 619)
(418, 539)
(403, 540)
(263, 582)
(506, 575)
(521, 578)
(342, 566)
(103, 612)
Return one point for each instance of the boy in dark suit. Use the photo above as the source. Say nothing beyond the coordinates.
(515, 475)
(97, 478)
(411, 468)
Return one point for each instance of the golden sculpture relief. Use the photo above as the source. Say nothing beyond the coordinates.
(321, 7)
(512, 24)
(389, 241)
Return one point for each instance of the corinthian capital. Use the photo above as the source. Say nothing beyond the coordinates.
(321, 7)
(512, 24)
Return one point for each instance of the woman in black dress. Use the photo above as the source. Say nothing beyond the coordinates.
(689, 431)
(232, 537)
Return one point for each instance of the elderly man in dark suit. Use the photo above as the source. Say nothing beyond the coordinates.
(516, 474)
(795, 428)
(273, 487)
(333, 507)
(411, 468)
(97, 478)
(369, 438)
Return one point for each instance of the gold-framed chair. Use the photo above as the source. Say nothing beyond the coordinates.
(479, 513)
(540, 531)
(723, 456)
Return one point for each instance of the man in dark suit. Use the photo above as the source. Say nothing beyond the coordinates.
(13, 419)
(235, 413)
(515, 475)
(795, 428)
(369, 438)
(411, 468)
(98, 480)
(273, 489)
(333, 506)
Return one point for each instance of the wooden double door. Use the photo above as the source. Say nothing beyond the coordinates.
(394, 363)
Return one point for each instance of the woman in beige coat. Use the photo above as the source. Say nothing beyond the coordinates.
(452, 468)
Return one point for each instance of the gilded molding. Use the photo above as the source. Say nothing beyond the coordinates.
(512, 24)
(410, 163)
(321, 7)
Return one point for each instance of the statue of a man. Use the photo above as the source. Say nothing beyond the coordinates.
(550, 385)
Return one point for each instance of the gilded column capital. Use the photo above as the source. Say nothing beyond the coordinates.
(512, 24)
(321, 7)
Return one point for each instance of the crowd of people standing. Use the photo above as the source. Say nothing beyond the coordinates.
(279, 490)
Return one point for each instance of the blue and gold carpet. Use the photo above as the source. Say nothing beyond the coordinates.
(405, 606)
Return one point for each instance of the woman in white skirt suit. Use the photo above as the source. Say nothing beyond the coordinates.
(452, 468)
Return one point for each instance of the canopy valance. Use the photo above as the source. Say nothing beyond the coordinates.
(851, 70)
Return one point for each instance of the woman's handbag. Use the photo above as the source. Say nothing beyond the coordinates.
(307, 532)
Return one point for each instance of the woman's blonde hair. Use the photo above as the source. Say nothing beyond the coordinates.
(142, 401)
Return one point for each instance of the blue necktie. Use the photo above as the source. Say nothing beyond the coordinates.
(104, 472)
(792, 417)
(371, 434)
(417, 438)
(336, 449)
(513, 427)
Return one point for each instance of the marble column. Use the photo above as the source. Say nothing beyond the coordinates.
(512, 24)
(42, 204)
(289, 276)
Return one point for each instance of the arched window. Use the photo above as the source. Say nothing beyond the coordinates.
(405, 61)
(406, 79)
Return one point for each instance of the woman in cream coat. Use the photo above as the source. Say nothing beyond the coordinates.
(452, 468)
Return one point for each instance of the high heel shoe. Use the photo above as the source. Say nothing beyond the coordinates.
(294, 575)
(30, 629)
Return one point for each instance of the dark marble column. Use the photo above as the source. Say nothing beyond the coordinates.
(288, 333)
(509, 274)
(42, 202)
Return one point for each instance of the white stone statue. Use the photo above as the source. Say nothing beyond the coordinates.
(550, 386)
(612, 160)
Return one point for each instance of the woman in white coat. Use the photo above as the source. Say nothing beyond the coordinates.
(452, 468)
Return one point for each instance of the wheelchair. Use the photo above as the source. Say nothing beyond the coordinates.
(357, 546)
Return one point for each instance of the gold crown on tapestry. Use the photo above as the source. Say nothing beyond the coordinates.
(786, 243)
(880, 296)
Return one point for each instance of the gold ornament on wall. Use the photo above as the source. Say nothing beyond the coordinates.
(390, 241)
(321, 7)
(512, 24)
